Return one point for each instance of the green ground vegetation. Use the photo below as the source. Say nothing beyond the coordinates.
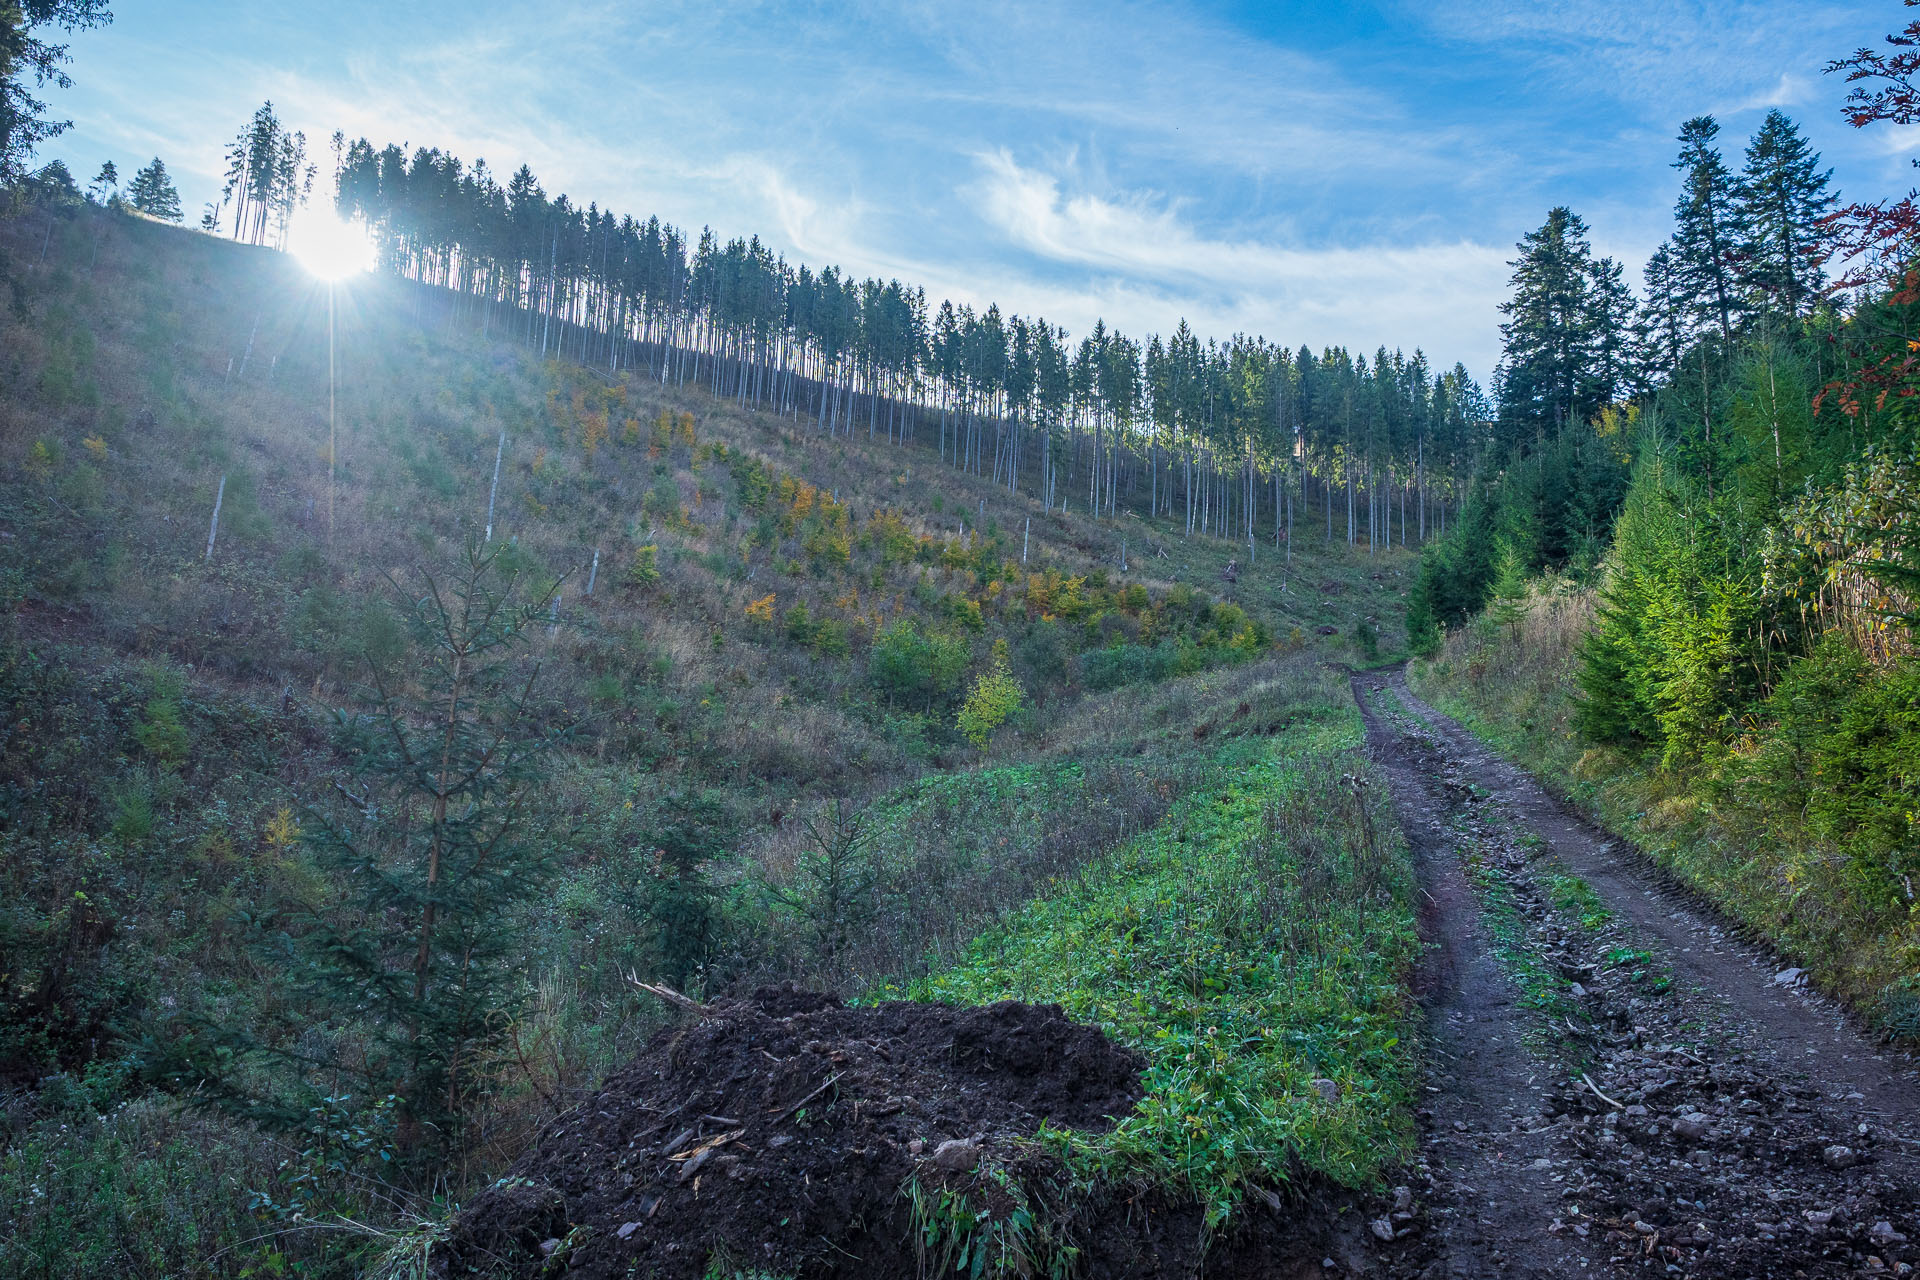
(1254, 947)
(743, 651)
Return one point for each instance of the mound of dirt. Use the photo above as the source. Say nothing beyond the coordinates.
(778, 1133)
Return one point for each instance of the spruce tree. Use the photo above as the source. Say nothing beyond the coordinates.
(1611, 317)
(53, 183)
(440, 855)
(152, 192)
(1547, 366)
(1665, 324)
(691, 832)
(1507, 606)
(1784, 198)
(28, 62)
(1709, 235)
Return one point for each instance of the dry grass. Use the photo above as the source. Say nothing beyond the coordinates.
(207, 359)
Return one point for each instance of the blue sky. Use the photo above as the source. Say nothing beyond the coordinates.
(1354, 173)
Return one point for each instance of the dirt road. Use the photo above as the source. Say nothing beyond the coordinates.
(1617, 1084)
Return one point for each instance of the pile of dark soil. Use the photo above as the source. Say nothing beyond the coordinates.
(778, 1133)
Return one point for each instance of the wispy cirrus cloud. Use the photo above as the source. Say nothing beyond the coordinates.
(1699, 56)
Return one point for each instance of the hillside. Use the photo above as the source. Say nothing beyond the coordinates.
(735, 622)
(538, 742)
(580, 754)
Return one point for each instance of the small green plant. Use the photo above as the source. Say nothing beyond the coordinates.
(724, 1266)
(829, 638)
(1571, 893)
(410, 1253)
(161, 733)
(133, 815)
(797, 622)
(1640, 967)
(645, 569)
(995, 696)
(1898, 1012)
(1627, 957)
(965, 613)
(337, 1142)
(957, 1233)
(42, 459)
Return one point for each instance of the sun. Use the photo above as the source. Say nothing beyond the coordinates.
(331, 248)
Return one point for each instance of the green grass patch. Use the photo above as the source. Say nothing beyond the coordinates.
(1252, 944)
(1541, 987)
(1640, 968)
(1576, 897)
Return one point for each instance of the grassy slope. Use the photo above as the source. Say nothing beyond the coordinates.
(1254, 947)
(128, 388)
(1760, 866)
(131, 387)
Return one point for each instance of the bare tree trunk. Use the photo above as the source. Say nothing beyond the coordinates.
(213, 529)
(498, 452)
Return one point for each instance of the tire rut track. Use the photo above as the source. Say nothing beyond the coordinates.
(1484, 1204)
(1617, 1084)
(1794, 1020)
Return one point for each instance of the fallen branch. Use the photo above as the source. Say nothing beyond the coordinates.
(668, 994)
(1617, 1106)
(363, 803)
(698, 1156)
(809, 1098)
(718, 1140)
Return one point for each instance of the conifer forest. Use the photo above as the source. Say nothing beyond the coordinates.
(539, 742)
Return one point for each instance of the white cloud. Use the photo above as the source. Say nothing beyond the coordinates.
(1790, 90)
(1901, 142)
(1137, 247)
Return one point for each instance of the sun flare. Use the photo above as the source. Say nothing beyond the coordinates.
(331, 248)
